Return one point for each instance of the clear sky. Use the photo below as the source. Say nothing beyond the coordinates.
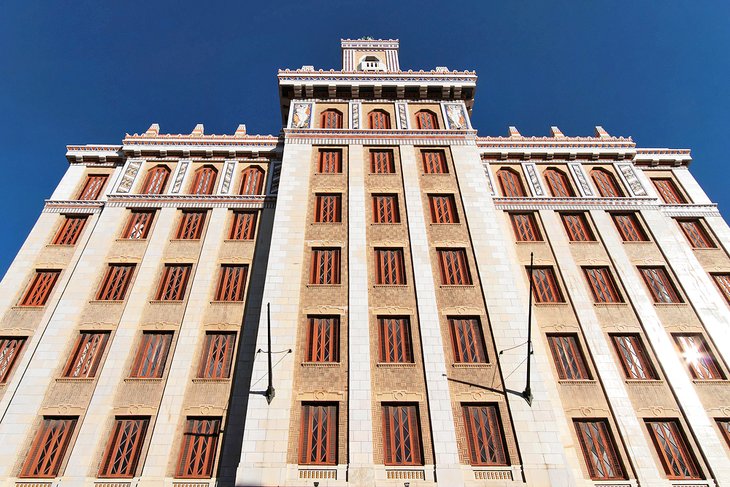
(88, 71)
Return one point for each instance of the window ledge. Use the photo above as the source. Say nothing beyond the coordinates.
(444, 224)
(382, 174)
(244, 240)
(130, 240)
(559, 303)
(610, 305)
(670, 305)
(166, 302)
(226, 302)
(79, 380)
(315, 286)
(396, 365)
(106, 301)
(436, 174)
(583, 242)
(20, 306)
(321, 364)
(471, 365)
(704, 248)
(637, 242)
(61, 246)
(376, 224)
(211, 380)
(456, 286)
(391, 286)
(528, 242)
(709, 381)
(648, 382)
(151, 380)
(578, 382)
(185, 240)
(316, 224)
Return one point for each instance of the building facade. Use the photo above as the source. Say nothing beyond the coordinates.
(349, 303)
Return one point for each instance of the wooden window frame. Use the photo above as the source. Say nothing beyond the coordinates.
(426, 120)
(323, 339)
(331, 118)
(680, 455)
(568, 356)
(595, 435)
(116, 282)
(456, 259)
(146, 366)
(379, 119)
(722, 281)
(42, 460)
(232, 283)
(243, 225)
(87, 353)
(155, 181)
(199, 447)
(443, 209)
(558, 183)
(467, 340)
(40, 287)
(700, 361)
(634, 357)
(577, 227)
(401, 425)
(510, 183)
(434, 161)
(218, 351)
(328, 208)
(382, 161)
(252, 181)
(606, 183)
(204, 180)
(126, 441)
(10, 349)
(485, 435)
(329, 161)
(137, 219)
(629, 227)
(386, 209)
(395, 345)
(724, 425)
(174, 282)
(660, 284)
(330, 273)
(390, 267)
(192, 223)
(93, 187)
(70, 230)
(668, 191)
(321, 418)
(546, 288)
(602, 284)
(525, 227)
(696, 233)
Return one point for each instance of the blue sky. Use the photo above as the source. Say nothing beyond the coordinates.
(87, 72)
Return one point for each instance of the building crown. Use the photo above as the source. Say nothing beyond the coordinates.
(370, 55)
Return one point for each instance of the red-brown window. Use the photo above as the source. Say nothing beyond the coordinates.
(328, 208)
(434, 162)
(243, 226)
(671, 446)
(401, 434)
(510, 183)
(86, 356)
(323, 339)
(724, 425)
(568, 357)
(330, 161)
(577, 228)
(173, 283)
(10, 348)
(232, 282)
(204, 180)
(525, 227)
(318, 436)
(629, 228)
(379, 120)
(659, 284)
(70, 230)
(138, 225)
(115, 283)
(700, 361)
(484, 434)
(49, 448)
(602, 285)
(385, 208)
(217, 356)
(156, 180)
(634, 359)
(151, 355)
(558, 183)
(199, 445)
(599, 450)
(606, 183)
(389, 267)
(252, 180)
(454, 267)
(124, 448)
(723, 283)
(325, 266)
(381, 162)
(92, 187)
(191, 225)
(331, 119)
(696, 234)
(545, 286)
(40, 288)
(426, 120)
(668, 191)
(443, 208)
(467, 340)
(395, 340)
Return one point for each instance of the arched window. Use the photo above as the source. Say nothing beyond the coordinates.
(510, 183)
(252, 180)
(379, 120)
(156, 180)
(558, 183)
(331, 119)
(606, 184)
(204, 181)
(426, 120)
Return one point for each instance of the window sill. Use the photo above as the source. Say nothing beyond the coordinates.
(637, 242)
(701, 249)
(245, 240)
(382, 173)
(435, 174)
(578, 382)
(583, 242)
(211, 380)
(106, 301)
(456, 286)
(528, 242)
(396, 365)
(316, 286)
(316, 224)
(131, 239)
(28, 307)
(185, 240)
(446, 224)
(226, 302)
(549, 304)
(709, 381)
(649, 382)
(471, 365)
(670, 305)
(610, 305)
(75, 379)
(61, 246)
(166, 302)
(138, 380)
(377, 224)
(321, 364)
(391, 286)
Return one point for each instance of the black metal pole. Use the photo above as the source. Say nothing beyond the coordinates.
(527, 393)
(270, 392)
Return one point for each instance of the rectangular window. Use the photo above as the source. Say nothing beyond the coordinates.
(443, 208)
(323, 339)
(724, 425)
(138, 225)
(723, 284)
(525, 227)
(568, 357)
(151, 355)
(395, 340)
(191, 225)
(115, 283)
(385, 208)
(545, 286)
(454, 267)
(401, 435)
(599, 450)
(696, 234)
(70, 230)
(217, 356)
(92, 187)
(10, 348)
(389, 267)
(700, 361)
(49, 448)
(325, 266)
(577, 228)
(174, 282)
(86, 357)
(330, 161)
(668, 191)
(434, 162)
(243, 226)
(634, 358)
(124, 448)
(328, 208)
(467, 340)
(318, 437)
(629, 228)
(602, 285)
(381, 162)
(674, 453)
(40, 288)
(484, 435)
(199, 446)
(232, 283)
(659, 284)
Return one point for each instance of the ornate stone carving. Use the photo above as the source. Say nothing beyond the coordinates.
(302, 115)
(129, 176)
(488, 175)
(627, 171)
(355, 118)
(455, 116)
(181, 170)
(402, 116)
(533, 179)
(227, 177)
(580, 178)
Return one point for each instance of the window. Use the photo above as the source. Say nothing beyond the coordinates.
(700, 361)
(204, 180)
(379, 120)
(577, 228)
(92, 187)
(606, 183)
(252, 180)
(151, 355)
(426, 120)
(115, 283)
(394, 334)
(199, 445)
(668, 191)
(602, 285)
(454, 267)
(724, 425)
(331, 119)
(568, 357)
(629, 228)
(545, 286)
(243, 225)
(434, 162)
(401, 435)
(525, 227)
(599, 450)
(672, 448)
(511, 184)
(318, 441)
(86, 356)
(659, 284)
(173, 283)
(381, 162)
(389, 267)
(328, 208)
(385, 208)
(124, 448)
(325, 266)
(49, 448)
(484, 435)
(40, 288)
(558, 183)
(156, 180)
(467, 340)
(723, 283)
(191, 225)
(634, 359)
(330, 161)
(323, 339)
(70, 230)
(217, 356)
(232, 283)
(138, 225)
(10, 348)
(443, 209)
(696, 234)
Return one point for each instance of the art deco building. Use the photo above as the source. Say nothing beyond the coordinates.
(393, 246)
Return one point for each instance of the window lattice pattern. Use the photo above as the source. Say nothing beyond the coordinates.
(318, 437)
(138, 225)
(510, 183)
(330, 161)
(525, 227)
(151, 355)
(434, 162)
(243, 226)
(323, 339)
(668, 191)
(70, 230)
(568, 357)
(217, 356)
(204, 180)
(629, 228)
(40, 288)
(232, 283)
(124, 448)
(381, 162)
(401, 435)
(702, 364)
(156, 180)
(545, 286)
(86, 357)
(454, 267)
(328, 208)
(395, 340)
(634, 359)
(670, 443)
(379, 120)
(599, 450)
(426, 120)
(467, 340)
(659, 284)
(558, 183)
(49, 448)
(602, 285)
(606, 183)
(92, 187)
(577, 228)
(199, 445)
(385, 209)
(443, 209)
(723, 283)
(389, 267)
(484, 435)
(331, 119)
(174, 282)
(252, 181)
(696, 234)
(116, 282)
(10, 348)
(191, 225)
(325, 266)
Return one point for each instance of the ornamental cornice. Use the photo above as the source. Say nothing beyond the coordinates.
(379, 137)
(94, 153)
(192, 201)
(299, 76)
(608, 204)
(72, 206)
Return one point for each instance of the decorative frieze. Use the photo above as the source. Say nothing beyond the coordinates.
(355, 114)
(456, 116)
(533, 180)
(182, 168)
(228, 170)
(401, 119)
(130, 173)
(626, 172)
(579, 176)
